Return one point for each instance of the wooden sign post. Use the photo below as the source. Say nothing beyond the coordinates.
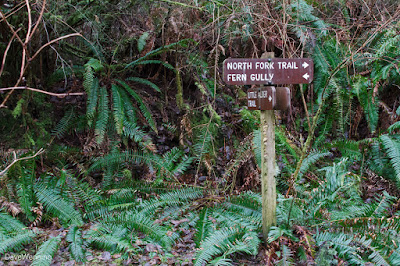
(268, 184)
(268, 70)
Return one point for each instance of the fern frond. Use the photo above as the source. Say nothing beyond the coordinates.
(55, 204)
(142, 222)
(349, 148)
(375, 255)
(92, 100)
(102, 118)
(395, 126)
(111, 241)
(9, 224)
(174, 198)
(286, 257)
(203, 226)
(46, 252)
(363, 89)
(227, 241)
(118, 109)
(311, 158)
(145, 82)
(343, 245)
(142, 106)
(244, 208)
(170, 160)
(25, 190)
(95, 64)
(83, 193)
(64, 124)
(142, 41)
(159, 50)
(243, 153)
(392, 147)
(394, 259)
(76, 246)
(204, 143)
(88, 78)
(16, 242)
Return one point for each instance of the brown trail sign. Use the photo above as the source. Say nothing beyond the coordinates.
(261, 98)
(268, 98)
(268, 71)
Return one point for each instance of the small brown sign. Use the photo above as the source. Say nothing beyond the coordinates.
(268, 98)
(246, 71)
(261, 98)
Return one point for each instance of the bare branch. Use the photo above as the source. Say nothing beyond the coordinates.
(59, 95)
(39, 19)
(53, 41)
(3, 172)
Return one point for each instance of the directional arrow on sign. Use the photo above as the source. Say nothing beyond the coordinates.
(305, 65)
(271, 71)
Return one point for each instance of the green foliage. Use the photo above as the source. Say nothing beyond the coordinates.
(76, 246)
(16, 242)
(13, 234)
(142, 106)
(392, 146)
(45, 254)
(203, 226)
(105, 239)
(144, 59)
(57, 205)
(302, 12)
(228, 229)
(355, 231)
(364, 90)
(142, 41)
(64, 124)
(225, 242)
(311, 159)
(286, 257)
(171, 164)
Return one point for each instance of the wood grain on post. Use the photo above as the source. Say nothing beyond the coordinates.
(268, 186)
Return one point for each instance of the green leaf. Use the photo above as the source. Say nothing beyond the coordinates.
(95, 64)
(142, 41)
(55, 204)
(142, 106)
(76, 246)
(118, 109)
(16, 242)
(46, 252)
(102, 118)
(392, 147)
(145, 82)
(92, 100)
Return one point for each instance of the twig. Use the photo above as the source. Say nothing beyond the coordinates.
(53, 41)
(28, 33)
(3, 172)
(39, 19)
(60, 95)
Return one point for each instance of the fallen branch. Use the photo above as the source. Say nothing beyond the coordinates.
(59, 95)
(3, 172)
